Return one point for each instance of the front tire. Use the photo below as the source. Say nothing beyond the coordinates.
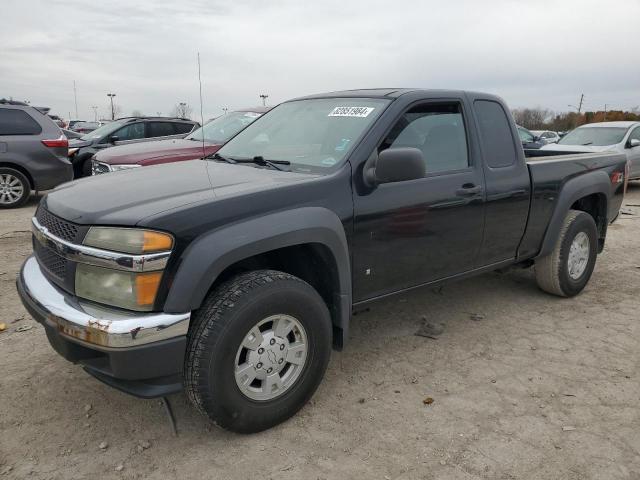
(567, 269)
(257, 350)
(14, 188)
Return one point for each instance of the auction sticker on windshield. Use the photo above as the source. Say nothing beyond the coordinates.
(350, 112)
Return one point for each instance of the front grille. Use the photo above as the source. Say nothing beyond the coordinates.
(57, 226)
(97, 168)
(53, 262)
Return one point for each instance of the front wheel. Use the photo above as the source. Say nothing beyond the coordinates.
(257, 350)
(568, 268)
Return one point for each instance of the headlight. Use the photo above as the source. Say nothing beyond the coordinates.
(72, 151)
(128, 240)
(132, 291)
(123, 166)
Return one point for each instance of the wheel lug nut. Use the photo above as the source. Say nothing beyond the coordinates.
(270, 370)
(280, 361)
(272, 341)
(259, 365)
(282, 346)
(261, 351)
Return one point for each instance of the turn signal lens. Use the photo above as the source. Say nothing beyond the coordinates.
(147, 287)
(156, 241)
(128, 240)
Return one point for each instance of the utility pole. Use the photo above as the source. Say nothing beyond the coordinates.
(225, 110)
(264, 99)
(580, 105)
(95, 113)
(113, 114)
(605, 113)
(183, 109)
(75, 98)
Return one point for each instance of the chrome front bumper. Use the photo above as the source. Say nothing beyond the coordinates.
(86, 322)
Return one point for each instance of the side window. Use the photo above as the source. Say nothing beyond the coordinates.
(635, 135)
(159, 129)
(525, 136)
(182, 127)
(133, 131)
(17, 122)
(435, 129)
(495, 134)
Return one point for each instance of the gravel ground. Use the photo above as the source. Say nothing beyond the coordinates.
(524, 385)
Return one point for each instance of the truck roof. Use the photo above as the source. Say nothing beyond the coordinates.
(385, 93)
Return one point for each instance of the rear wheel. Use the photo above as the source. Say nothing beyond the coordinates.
(258, 349)
(567, 270)
(14, 188)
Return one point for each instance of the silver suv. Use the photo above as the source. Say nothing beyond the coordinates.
(33, 153)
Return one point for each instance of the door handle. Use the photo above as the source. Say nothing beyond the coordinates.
(468, 189)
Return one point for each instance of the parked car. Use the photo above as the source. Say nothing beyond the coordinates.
(58, 121)
(71, 123)
(233, 276)
(547, 136)
(33, 153)
(85, 127)
(215, 134)
(528, 139)
(622, 137)
(124, 131)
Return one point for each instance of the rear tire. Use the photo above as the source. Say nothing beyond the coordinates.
(568, 268)
(237, 330)
(14, 188)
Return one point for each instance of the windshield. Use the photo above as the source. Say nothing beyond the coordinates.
(103, 130)
(223, 128)
(313, 135)
(598, 136)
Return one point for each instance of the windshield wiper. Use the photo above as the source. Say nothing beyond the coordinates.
(260, 160)
(588, 143)
(217, 156)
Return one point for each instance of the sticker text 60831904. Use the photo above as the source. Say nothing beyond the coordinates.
(350, 112)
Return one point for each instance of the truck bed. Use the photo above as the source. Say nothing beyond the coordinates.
(549, 171)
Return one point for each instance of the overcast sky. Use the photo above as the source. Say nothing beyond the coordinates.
(532, 53)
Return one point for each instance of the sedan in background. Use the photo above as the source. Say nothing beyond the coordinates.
(201, 143)
(547, 136)
(528, 139)
(623, 137)
(85, 127)
(124, 131)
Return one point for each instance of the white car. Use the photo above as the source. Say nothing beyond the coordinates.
(623, 137)
(547, 135)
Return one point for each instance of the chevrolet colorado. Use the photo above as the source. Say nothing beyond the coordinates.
(231, 277)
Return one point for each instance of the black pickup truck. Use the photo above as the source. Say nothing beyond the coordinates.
(231, 277)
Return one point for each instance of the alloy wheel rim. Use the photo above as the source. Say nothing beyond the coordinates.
(271, 357)
(11, 189)
(578, 255)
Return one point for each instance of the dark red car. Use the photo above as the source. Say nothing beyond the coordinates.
(216, 133)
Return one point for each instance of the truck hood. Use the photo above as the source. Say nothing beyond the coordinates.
(127, 197)
(145, 153)
(580, 148)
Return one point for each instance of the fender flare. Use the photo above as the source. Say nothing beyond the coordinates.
(593, 182)
(210, 254)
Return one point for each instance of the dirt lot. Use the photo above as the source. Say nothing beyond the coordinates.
(541, 387)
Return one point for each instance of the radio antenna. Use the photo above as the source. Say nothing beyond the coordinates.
(201, 115)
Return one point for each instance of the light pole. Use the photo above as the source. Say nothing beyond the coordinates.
(183, 109)
(264, 99)
(95, 112)
(113, 114)
(225, 110)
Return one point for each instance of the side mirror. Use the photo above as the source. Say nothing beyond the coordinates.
(634, 142)
(114, 138)
(397, 165)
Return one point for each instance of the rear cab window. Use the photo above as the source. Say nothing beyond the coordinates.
(17, 122)
(496, 138)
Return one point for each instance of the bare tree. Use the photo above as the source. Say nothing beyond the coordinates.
(182, 110)
(532, 118)
(137, 113)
